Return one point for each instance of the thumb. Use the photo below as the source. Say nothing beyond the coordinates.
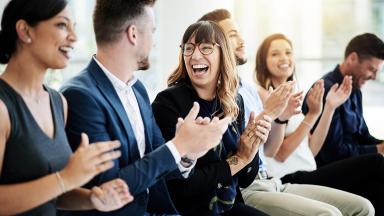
(193, 112)
(270, 90)
(251, 118)
(97, 191)
(84, 140)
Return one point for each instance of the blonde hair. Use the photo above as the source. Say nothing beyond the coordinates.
(228, 83)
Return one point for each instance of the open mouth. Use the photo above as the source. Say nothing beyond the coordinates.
(284, 66)
(66, 51)
(200, 68)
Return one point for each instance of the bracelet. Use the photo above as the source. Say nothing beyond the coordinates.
(278, 121)
(307, 124)
(61, 182)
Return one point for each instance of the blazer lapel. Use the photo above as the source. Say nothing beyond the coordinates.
(107, 89)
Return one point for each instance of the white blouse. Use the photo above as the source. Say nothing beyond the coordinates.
(301, 159)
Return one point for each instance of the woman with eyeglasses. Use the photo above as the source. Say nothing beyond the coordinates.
(206, 74)
(38, 172)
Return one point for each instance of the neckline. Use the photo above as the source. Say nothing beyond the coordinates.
(28, 111)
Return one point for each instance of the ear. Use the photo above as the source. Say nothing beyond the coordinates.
(353, 57)
(131, 34)
(23, 31)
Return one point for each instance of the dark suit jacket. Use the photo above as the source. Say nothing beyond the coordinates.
(95, 108)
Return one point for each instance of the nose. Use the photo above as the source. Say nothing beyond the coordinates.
(72, 35)
(241, 40)
(196, 53)
(374, 74)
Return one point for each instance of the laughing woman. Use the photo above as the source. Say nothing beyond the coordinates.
(38, 171)
(206, 74)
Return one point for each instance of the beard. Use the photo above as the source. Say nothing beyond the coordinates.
(144, 64)
(240, 61)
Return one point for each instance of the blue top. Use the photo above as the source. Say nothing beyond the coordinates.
(348, 134)
(252, 102)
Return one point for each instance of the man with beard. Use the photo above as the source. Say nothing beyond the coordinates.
(348, 134)
(107, 102)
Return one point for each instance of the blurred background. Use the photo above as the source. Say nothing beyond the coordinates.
(319, 30)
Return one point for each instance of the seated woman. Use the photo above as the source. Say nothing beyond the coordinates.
(292, 158)
(206, 74)
(38, 171)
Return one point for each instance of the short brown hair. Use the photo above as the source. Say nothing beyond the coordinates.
(366, 46)
(112, 17)
(216, 15)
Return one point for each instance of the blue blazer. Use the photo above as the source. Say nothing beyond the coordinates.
(95, 108)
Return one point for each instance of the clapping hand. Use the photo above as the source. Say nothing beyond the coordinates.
(88, 161)
(337, 95)
(254, 134)
(315, 98)
(294, 106)
(192, 137)
(111, 195)
(277, 100)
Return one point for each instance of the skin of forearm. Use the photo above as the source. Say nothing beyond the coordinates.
(18, 198)
(275, 139)
(77, 199)
(292, 141)
(235, 164)
(316, 141)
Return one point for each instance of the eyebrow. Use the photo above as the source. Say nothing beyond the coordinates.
(64, 17)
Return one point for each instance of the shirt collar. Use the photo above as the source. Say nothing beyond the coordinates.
(338, 75)
(116, 82)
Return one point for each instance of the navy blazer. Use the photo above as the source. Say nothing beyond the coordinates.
(95, 109)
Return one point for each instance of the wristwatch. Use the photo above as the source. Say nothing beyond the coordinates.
(278, 121)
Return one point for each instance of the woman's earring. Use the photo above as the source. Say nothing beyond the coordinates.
(28, 40)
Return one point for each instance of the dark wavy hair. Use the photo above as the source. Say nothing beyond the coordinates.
(33, 12)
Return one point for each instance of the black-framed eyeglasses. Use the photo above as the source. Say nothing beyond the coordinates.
(204, 48)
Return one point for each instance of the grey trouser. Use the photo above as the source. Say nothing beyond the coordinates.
(275, 198)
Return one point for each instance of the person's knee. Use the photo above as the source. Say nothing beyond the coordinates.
(330, 211)
(364, 207)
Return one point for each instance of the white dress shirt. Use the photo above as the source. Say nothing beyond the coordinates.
(131, 107)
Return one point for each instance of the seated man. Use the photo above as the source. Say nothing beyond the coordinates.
(107, 102)
(348, 134)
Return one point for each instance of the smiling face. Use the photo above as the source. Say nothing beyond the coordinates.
(203, 70)
(365, 69)
(52, 40)
(280, 60)
(237, 41)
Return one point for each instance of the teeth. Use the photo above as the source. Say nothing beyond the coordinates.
(199, 66)
(66, 49)
(284, 66)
